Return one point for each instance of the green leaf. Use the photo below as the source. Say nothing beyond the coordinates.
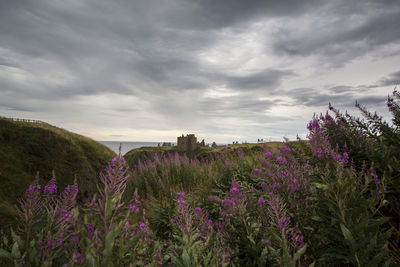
(347, 235)
(186, 258)
(299, 253)
(16, 254)
(5, 240)
(109, 243)
(17, 239)
(321, 186)
(317, 218)
(5, 254)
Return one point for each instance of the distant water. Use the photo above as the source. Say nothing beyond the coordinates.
(127, 146)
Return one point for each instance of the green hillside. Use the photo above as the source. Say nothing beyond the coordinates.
(30, 147)
(201, 153)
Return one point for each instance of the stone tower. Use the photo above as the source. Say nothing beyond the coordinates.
(187, 143)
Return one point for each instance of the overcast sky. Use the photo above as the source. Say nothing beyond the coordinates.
(225, 70)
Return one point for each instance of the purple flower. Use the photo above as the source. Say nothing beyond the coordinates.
(225, 256)
(114, 160)
(280, 160)
(49, 245)
(134, 208)
(75, 239)
(261, 202)
(198, 211)
(60, 242)
(256, 170)
(236, 184)
(123, 160)
(75, 189)
(181, 195)
(268, 154)
(286, 149)
(227, 204)
(283, 222)
(90, 228)
(77, 256)
(50, 188)
(234, 191)
(41, 245)
(181, 202)
(267, 242)
(31, 189)
(68, 217)
(263, 185)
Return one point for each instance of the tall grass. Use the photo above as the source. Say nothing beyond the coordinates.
(308, 203)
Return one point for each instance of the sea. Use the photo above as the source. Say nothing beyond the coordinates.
(126, 146)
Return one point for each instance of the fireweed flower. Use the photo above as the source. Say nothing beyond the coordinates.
(297, 237)
(263, 185)
(60, 242)
(268, 155)
(198, 211)
(31, 189)
(49, 245)
(285, 149)
(68, 189)
(234, 191)
(236, 184)
(181, 195)
(280, 160)
(261, 202)
(50, 189)
(228, 204)
(90, 228)
(77, 256)
(133, 207)
(319, 153)
(256, 170)
(283, 222)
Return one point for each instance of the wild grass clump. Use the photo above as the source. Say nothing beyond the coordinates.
(330, 201)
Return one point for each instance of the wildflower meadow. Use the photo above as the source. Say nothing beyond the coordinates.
(330, 200)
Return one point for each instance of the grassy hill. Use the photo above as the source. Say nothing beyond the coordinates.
(201, 153)
(30, 147)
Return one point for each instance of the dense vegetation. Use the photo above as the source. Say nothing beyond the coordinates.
(27, 148)
(332, 200)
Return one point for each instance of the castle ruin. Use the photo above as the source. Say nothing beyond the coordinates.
(187, 143)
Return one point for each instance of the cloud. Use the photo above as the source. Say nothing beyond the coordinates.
(344, 97)
(340, 31)
(392, 79)
(223, 67)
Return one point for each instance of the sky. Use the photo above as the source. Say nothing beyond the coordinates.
(226, 70)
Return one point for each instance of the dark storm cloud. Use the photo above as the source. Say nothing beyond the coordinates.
(209, 14)
(392, 79)
(268, 79)
(168, 55)
(342, 31)
(313, 98)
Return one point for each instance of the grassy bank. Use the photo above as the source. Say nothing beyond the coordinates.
(28, 148)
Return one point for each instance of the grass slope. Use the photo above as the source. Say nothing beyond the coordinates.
(27, 148)
(201, 153)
